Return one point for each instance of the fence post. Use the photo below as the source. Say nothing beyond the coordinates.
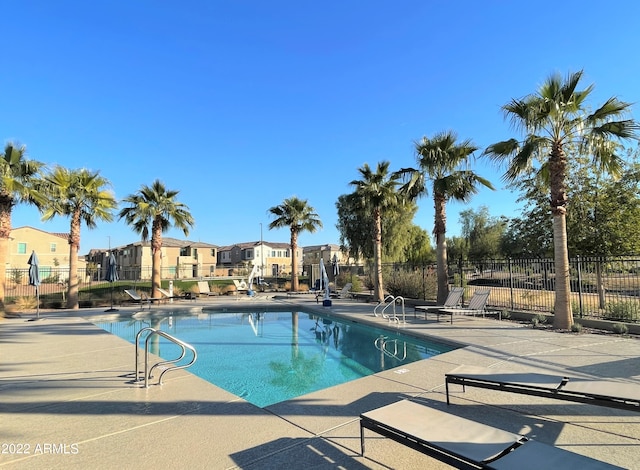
(579, 286)
(510, 282)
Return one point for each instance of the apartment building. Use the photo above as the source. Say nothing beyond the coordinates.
(52, 250)
(180, 259)
(272, 258)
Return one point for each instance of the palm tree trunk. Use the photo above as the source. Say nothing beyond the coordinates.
(377, 255)
(562, 316)
(440, 232)
(5, 232)
(294, 261)
(74, 243)
(156, 259)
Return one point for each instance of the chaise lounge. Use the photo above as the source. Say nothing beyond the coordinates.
(140, 299)
(467, 444)
(609, 393)
(476, 305)
(452, 301)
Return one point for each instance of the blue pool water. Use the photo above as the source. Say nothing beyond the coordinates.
(269, 357)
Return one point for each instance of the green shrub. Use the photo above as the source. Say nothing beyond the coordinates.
(539, 319)
(410, 284)
(576, 328)
(620, 328)
(505, 314)
(626, 310)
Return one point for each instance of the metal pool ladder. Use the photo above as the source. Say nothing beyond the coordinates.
(392, 302)
(148, 371)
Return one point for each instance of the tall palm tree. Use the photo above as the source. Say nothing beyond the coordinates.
(18, 184)
(299, 216)
(377, 190)
(155, 206)
(83, 196)
(555, 120)
(442, 160)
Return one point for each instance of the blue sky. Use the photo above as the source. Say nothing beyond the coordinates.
(241, 104)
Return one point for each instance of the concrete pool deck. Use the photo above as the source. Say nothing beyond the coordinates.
(67, 399)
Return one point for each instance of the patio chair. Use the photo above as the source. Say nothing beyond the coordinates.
(167, 296)
(203, 288)
(467, 444)
(343, 293)
(609, 393)
(140, 299)
(476, 305)
(452, 301)
(241, 286)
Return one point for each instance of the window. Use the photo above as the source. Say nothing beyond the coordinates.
(52, 248)
(213, 251)
(22, 248)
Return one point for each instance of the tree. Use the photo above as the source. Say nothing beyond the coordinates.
(441, 160)
(19, 178)
(156, 206)
(531, 234)
(399, 239)
(299, 216)
(83, 196)
(377, 191)
(554, 120)
(483, 233)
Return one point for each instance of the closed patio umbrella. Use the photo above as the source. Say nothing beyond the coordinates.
(34, 279)
(111, 276)
(336, 266)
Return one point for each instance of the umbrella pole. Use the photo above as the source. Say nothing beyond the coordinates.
(37, 302)
(111, 309)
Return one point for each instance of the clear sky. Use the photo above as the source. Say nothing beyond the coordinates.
(241, 104)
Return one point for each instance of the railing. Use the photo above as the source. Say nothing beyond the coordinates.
(148, 371)
(393, 300)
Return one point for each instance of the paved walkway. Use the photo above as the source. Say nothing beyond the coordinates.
(66, 401)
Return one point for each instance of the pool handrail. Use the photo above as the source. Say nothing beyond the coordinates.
(148, 371)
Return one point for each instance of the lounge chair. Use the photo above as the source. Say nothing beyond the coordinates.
(476, 305)
(343, 293)
(241, 286)
(609, 393)
(452, 301)
(466, 444)
(203, 288)
(141, 299)
(185, 296)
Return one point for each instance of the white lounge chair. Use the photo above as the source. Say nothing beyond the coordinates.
(203, 288)
(344, 293)
(141, 299)
(476, 305)
(241, 286)
(167, 296)
(452, 301)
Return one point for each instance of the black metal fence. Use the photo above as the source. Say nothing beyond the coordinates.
(607, 288)
(604, 288)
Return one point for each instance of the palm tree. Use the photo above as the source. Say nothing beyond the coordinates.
(377, 190)
(442, 161)
(555, 120)
(18, 180)
(81, 195)
(299, 216)
(157, 207)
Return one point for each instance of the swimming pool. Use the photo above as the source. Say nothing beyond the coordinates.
(266, 357)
